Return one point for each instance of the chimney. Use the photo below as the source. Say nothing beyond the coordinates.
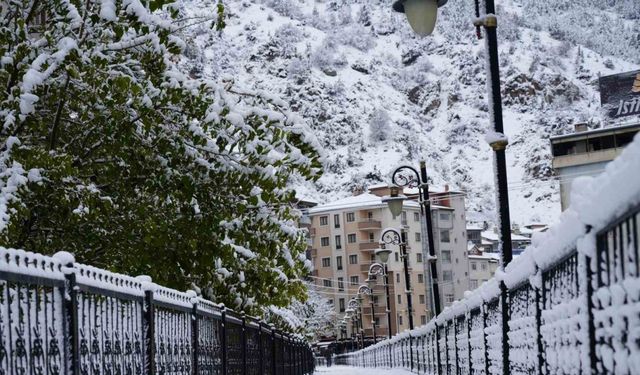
(446, 187)
(357, 191)
(580, 127)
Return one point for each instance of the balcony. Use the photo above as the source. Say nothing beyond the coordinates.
(368, 246)
(305, 221)
(367, 224)
(314, 273)
(312, 232)
(365, 267)
(379, 310)
(313, 253)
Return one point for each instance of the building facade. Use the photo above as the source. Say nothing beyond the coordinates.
(344, 236)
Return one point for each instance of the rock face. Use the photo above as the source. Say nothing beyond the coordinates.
(337, 63)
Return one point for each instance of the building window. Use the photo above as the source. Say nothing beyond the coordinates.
(377, 322)
(447, 276)
(448, 297)
(338, 243)
(354, 280)
(444, 236)
(351, 238)
(397, 257)
(419, 258)
(423, 319)
(400, 319)
(418, 237)
(421, 297)
(353, 259)
(326, 283)
(324, 220)
(341, 303)
(330, 302)
(483, 266)
(420, 278)
(397, 277)
(404, 218)
(326, 262)
(446, 256)
(399, 299)
(339, 262)
(372, 237)
(324, 241)
(416, 216)
(336, 221)
(445, 216)
(473, 284)
(351, 217)
(474, 266)
(340, 284)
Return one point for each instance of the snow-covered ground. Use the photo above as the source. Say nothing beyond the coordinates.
(348, 370)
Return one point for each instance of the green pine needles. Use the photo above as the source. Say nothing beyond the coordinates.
(108, 151)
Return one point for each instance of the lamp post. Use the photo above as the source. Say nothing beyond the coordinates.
(391, 236)
(354, 305)
(406, 176)
(422, 19)
(366, 290)
(377, 269)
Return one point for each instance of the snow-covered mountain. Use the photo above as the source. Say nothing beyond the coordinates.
(377, 96)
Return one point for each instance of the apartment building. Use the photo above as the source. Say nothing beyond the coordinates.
(482, 266)
(345, 235)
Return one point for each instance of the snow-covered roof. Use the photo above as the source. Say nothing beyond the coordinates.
(473, 226)
(492, 236)
(486, 256)
(362, 201)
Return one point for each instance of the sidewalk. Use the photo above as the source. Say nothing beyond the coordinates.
(348, 370)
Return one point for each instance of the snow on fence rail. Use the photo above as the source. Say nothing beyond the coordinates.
(572, 298)
(58, 317)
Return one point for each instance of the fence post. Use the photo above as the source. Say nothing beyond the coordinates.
(149, 325)
(504, 302)
(71, 313)
(273, 349)
(591, 324)
(484, 337)
(195, 331)
(223, 340)
(261, 356)
(151, 331)
(244, 344)
(438, 359)
(538, 290)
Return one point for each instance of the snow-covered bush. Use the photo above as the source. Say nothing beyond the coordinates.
(379, 127)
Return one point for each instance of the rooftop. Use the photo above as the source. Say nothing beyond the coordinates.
(492, 236)
(595, 132)
(363, 201)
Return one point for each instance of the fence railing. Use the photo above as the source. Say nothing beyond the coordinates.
(58, 318)
(571, 310)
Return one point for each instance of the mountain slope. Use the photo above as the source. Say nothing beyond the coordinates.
(376, 95)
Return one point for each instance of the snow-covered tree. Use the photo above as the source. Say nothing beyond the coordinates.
(379, 128)
(314, 318)
(109, 151)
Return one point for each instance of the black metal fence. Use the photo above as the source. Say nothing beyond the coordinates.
(59, 318)
(578, 315)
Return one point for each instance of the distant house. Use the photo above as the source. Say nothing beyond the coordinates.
(491, 239)
(482, 265)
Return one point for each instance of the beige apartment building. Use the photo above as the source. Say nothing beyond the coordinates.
(345, 234)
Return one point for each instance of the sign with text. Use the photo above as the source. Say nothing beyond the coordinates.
(620, 94)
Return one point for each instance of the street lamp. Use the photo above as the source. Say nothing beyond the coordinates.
(367, 290)
(498, 141)
(354, 306)
(409, 177)
(421, 14)
(377, 269)
(391, 236)
(394, 201)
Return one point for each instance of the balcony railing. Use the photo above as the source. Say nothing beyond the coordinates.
(369, 224)
(368, 246)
